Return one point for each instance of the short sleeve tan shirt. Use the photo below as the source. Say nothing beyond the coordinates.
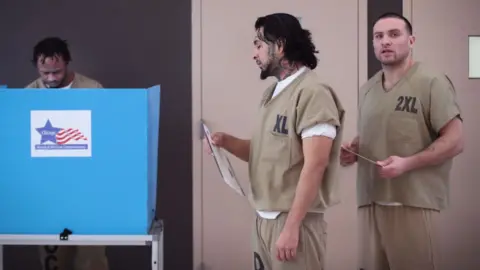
(404, 121)
(276, 154)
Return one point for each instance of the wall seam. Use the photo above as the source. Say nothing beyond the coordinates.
(358, 53)
(202, 222)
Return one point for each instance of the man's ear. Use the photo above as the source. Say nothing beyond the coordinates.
(281, 46)
(412, 40)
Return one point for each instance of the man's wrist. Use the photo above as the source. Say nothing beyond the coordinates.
(411, 163)
(292, 223)
(227, 144)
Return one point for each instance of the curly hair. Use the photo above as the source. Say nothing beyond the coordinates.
(51, 47)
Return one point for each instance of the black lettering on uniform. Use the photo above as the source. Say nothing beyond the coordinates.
(406, 104)
(284, 125)
(413, 109)
(277, 124)
(51, 249)
(257, 262)
(281, 125)
(51, 262)
(409, 104)
(399, 104)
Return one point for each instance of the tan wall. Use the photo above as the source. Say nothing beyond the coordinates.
(442, 28)
(226, 90)
(226, 94)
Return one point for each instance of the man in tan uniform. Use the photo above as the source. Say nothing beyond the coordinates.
(51, 57)
(293, 154)
(409, 121)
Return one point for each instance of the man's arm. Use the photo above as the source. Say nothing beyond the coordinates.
(316, 154)
(237, 147)
(446, 120)
(448, 145)
(316, 107)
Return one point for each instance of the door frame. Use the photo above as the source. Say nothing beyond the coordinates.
(196, 134)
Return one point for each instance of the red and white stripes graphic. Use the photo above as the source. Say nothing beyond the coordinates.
(66, 135)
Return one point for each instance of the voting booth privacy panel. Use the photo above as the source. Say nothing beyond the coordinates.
(80, 159)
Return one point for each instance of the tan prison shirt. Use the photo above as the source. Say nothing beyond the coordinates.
(79, 81)
(276, 154)
(404, 121)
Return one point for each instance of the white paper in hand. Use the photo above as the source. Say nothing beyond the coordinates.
(223, 163)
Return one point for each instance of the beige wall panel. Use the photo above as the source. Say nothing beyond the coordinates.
(227, 89)
(442, 28)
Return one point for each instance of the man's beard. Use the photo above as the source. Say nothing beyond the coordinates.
(56, 85)
(269, 70)
(48, 85)
(395, 61)
(264, 74)
(390, 63)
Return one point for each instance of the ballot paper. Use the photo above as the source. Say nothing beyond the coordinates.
(360, 156)
(223, 163)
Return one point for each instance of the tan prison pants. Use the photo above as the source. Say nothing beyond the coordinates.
(311, 248)
(397, 238)
(82, 258)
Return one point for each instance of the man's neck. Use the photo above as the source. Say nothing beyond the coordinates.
(68, 80)
(392, 74)
(286, 69)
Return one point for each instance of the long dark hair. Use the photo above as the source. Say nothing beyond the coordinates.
(285, 29)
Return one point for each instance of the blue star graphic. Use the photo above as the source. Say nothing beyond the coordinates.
(48, 132)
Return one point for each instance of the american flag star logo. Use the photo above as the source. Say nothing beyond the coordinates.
(69, 134)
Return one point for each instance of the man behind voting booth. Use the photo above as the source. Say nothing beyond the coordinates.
(51, 57)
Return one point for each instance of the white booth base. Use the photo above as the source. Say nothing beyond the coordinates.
(153, 239)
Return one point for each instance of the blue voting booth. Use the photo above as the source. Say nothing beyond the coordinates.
(79, 159)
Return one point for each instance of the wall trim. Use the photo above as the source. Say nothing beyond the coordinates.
(408, 13)
(363, 43)
(197, 147)
(375, 9)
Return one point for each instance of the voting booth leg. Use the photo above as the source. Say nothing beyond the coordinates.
(157, 253)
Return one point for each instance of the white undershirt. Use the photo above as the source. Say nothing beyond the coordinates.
(65, 87)
(68, 86)
(317, 130)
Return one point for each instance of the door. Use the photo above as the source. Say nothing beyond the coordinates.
(442, 28)
(227, 90)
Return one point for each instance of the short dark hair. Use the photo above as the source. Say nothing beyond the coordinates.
(285, 29)
(408, 25)
(51, 47)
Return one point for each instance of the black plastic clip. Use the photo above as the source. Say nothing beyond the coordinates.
(64, 235)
